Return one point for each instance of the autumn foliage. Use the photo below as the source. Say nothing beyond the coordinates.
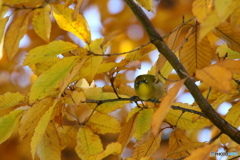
(77, 102)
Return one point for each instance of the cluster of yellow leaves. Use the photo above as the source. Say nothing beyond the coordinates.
(64, 70)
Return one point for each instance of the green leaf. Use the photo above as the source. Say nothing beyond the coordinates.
(88, 143)
(143, 122)
(41, 128)
(49, 147)
(47, 81)
(9, 99)
(44, 52)
(29, 122)
(103, 123)
(8, 123)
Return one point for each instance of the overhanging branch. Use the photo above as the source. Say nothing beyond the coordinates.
(206, 108)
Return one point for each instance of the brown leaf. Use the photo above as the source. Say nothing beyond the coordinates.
(196, 55)
(216, 76)
(232, 65)
(232, 38)
(15, 33)
(164, 107)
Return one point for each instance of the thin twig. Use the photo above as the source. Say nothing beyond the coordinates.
(216, 137)
(138, 48)
(171, 80)
(118, 54)
(91, 114)
(210, 89)
(178, 27)
(188, 110)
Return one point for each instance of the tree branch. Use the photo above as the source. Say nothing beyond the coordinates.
(206, 108)
(135, 99)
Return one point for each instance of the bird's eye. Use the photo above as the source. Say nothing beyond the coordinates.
(145, 81)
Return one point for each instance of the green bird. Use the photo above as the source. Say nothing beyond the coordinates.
(146, 87)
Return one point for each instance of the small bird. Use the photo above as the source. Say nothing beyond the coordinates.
(146, 87)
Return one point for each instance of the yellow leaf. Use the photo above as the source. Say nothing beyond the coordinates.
(42, 23)
(232, 65)
(232, 117)
(51, 78)
(97, 94)
(3, 23)
(148, 147)
(143, 122)
(164, 107)
(15, 33)
(203, 153)
(126, 90)
(133, 112)
(49, 146)
(147, 4)
(70, 77)
(139, 53)
(173, 38)
(213, 20)
(163, 66)
(216, 98)
(78, 97)
(66, 135)
(186, 120)
(96, 46)
(39, 68)
(221, 6)
(127, 131)
(225, 52)
(82, 83)
(216, 76)
(88, 143)
(8, 123)
(103, 123)
(112, 148)
(189, 146)
(105, 67)
(195, 55)
(90, 68)
(177, 139)
(201, 9)
(12, 2)
(92, 65)
(45, 52)
(232, 38)
(78, 26)
(120, 79)
(208, 24)
(9, 99)
(235, 19)
(41, 128)
(29, 122)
